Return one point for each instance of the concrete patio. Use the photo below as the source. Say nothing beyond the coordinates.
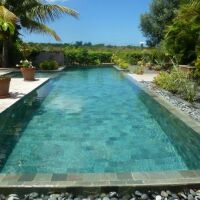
(148, 76)
(18, 89)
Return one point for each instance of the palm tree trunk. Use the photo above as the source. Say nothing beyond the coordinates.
(5, 54)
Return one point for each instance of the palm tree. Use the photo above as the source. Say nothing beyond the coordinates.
(34, 14)
(8, 21)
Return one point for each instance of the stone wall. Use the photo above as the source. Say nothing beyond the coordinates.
(42, 56)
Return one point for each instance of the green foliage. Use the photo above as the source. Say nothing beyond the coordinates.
(49, 65)
(139, 70)
(25, 64)
(183, 35)
(33, 14)
(120, 62)
(82, 56)
(154, 22)
(197, 71)
(177, 82)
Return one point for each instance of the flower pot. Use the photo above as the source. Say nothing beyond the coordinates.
(28, 73)
(4, 87)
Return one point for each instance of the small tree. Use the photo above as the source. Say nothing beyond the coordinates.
(8, 22)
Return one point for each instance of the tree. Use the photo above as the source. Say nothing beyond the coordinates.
(183, 35)
(34, 14)
(7, 27)
(153, 23)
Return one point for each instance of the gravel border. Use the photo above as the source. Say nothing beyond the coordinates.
(147, 194)
(190, 109)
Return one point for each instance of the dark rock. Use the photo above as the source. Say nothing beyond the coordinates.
(126, 197)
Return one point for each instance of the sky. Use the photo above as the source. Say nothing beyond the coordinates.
(114, 22)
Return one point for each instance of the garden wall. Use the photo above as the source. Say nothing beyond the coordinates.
(42, 56)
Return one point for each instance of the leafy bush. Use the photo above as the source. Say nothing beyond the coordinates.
(49, 65)
(139, 70)
(197, 66)
(120, 62)
(82, 56)
(177, 82)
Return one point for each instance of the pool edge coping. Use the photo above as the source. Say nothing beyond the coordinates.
(136, 179)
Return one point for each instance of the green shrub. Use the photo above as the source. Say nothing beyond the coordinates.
(139, 70)
(120, 62)
(49, 65)
(177, 82)
(197, 71)
(82, 56)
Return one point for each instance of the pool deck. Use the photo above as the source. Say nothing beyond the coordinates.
(147, 76)
(18, 89)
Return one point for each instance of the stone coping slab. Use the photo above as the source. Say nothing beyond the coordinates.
(148, 76)
(19, 89)
(137, 179)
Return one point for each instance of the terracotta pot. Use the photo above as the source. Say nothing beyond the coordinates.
(28, 73)
(4, 87)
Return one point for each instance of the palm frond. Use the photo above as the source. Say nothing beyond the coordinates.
(49, 12)
(37, 27)
(7, 16)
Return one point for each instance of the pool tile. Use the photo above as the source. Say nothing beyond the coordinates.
(11, 177)
(59, 177)
(26, 177)
(117, 183)
(188, 174)
(43, 177)
(124, 176)
(134, 182)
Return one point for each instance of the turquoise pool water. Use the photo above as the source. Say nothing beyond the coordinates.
(94, 120)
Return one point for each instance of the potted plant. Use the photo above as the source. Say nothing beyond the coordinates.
(28, 71)
(4, 86)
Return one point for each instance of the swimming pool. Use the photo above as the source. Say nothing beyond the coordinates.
(94, 121)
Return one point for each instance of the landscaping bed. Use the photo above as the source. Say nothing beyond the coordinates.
(192, 109)
(99, 194)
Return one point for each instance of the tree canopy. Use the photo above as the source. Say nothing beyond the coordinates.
(154, 22)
